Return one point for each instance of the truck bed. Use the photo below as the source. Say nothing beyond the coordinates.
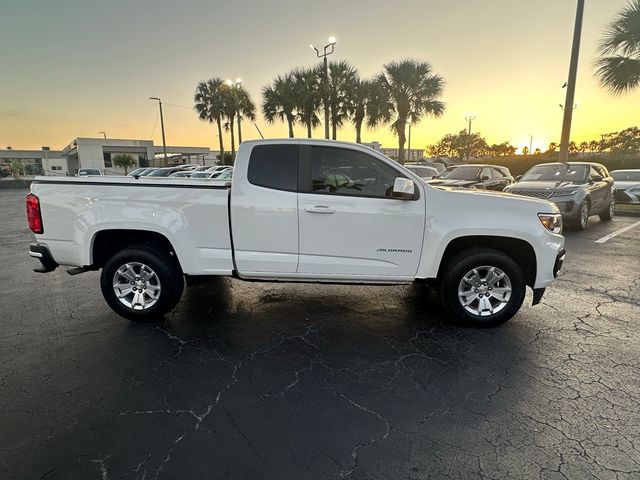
(192, 214)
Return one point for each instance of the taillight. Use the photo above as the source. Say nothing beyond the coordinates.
(33, 214)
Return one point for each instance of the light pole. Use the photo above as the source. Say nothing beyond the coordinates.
(237, 85)
(104, 134)
(164, 142)
(571, 84)
(531, 143)
(327, 50)
(469, 118)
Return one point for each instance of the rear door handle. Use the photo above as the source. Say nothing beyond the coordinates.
(320, 209)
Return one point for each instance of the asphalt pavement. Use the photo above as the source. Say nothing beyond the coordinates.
(251, 380)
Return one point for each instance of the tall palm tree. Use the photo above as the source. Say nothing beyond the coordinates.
(359, 97)
(231, 105)
(342, 76)
(618, 68)
(209, 99)
(279, 101)
(245, 107)
(410, 90)
(308, 99)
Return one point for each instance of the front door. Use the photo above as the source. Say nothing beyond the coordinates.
(349, 223)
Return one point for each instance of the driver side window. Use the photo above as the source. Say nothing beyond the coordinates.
(339, 171)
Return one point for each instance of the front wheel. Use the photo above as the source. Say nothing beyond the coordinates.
(583, 216)
(142, 283)
(483, 287)
(610, 211)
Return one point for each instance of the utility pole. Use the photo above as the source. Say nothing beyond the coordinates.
(164, 142)
(571, 85)
(531, 143)
(327, 50)
(470, 118)
(409, 146)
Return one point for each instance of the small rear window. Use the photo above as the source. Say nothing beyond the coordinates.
(274, 166)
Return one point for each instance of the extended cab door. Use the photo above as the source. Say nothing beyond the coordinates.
(264, 208)
(350, 225)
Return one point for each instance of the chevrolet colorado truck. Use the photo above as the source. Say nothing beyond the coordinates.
(298, 211)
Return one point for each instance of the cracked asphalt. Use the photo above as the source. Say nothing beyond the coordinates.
(249, 380)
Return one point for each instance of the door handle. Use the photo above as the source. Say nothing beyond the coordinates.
(320, 209)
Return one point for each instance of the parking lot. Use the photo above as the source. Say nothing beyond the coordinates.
(248, 380)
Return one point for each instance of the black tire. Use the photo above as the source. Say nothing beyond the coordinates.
(581, 221)
(610, 211)
(463, 263)
(168, 274)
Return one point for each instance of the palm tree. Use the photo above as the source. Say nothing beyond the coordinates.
(360, 98)
(308, 99)
(618, 68)
(245, 108)
(342, 77)
(209, 101)
(409, 90)
(279, 101)
(124, 161)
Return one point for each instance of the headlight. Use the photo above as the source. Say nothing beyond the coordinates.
(551, 221)
(563, 194)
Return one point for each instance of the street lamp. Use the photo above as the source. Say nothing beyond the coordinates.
(571, 84)
(104, 134)
(164, 142)
(327, 50)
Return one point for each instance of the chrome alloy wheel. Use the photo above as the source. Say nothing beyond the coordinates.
(584, 215)
(484, 291)
(136, 286)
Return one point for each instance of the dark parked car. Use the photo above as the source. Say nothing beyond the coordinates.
(627, 183)
(487, 177)
(579, 189)
(166, 171)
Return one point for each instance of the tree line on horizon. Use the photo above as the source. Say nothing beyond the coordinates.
(401, 94)
(463, 146)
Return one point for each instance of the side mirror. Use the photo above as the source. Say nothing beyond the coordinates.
(484, 178)
(596, 178)
(403, 188)
(518, 178)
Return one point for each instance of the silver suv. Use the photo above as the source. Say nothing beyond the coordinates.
(579, 189)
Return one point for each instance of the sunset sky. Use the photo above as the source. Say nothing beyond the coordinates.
(71, 68)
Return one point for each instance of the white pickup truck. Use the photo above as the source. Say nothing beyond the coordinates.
(298, 211)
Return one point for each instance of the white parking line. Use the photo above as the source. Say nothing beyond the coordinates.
(617, 232)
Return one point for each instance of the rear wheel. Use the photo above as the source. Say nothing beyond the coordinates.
(482, 287)
(610, 211)
(142, 283)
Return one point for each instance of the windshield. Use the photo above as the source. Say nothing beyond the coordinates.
(423, 172)
(557, 172)
(460, 173)
(89, 171)
(201, 175)
(630, 176)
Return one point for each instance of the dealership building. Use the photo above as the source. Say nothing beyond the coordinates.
(99, 153)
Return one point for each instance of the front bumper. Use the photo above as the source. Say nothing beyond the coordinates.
(42, 253)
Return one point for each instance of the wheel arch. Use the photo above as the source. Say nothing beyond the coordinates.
(521, 251)
(105, 243)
